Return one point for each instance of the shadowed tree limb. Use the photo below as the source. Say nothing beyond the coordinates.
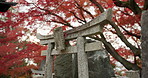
(60, 23)
(64, 22)
(128, 65)
(81, 8)
(109, 47)
(135, 50)
(81, 12)
(145, 4)
(127, 32)
(74, 14)
(88, 13)
(130, 33)
(134, 7)
(130, 4)
(79, 19)
(112, 51)
(98, 5)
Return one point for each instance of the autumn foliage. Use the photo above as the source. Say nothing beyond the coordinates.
(121, 38)
(14, 52)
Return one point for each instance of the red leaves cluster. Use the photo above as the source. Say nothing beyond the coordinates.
(14, 51)
(124, 52)
(13, 59)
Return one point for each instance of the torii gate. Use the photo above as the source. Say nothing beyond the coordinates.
(93, 27)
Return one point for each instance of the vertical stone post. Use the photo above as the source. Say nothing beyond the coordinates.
(49, 61)
(144, 45)
(59, 38)
(82, 59)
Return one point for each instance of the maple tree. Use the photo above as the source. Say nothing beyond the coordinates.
(14, 51)
(124, 28)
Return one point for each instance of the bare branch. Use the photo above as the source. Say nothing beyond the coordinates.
(51, 13)
(60, 23)
(130, 4)
(74, 14)
(98, 5)
(79, 19)
(121, 3)
(80, 7)
(130, 33)
(88, 13)
(127, 32)
(134, 7)
(135, 50)
(145, 4)
(112, 51)
(81, 12)
(128, 65)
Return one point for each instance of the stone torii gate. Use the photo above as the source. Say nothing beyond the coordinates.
(93, 27)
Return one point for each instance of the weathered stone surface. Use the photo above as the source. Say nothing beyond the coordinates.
(144, 45)
(59, 38)
(75, 65)
(49, 60)
(63, 66)
(82, 59)
(99, 65)
(133, 74)
(42, 65)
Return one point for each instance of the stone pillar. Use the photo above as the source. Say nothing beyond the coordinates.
(144, 45)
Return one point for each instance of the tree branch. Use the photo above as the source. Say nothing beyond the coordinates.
(120, 3)
(81, 12)
(89, 13)
(112, 51)
(130, 33)
(81, 8)
(51, 13)
(127, 32)
(135, 50)
(130, 4)
(134, 7)
(74, 14)
(145, 4)
(128, 65)
(60, 23)
(77, 17)
(98, 5)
